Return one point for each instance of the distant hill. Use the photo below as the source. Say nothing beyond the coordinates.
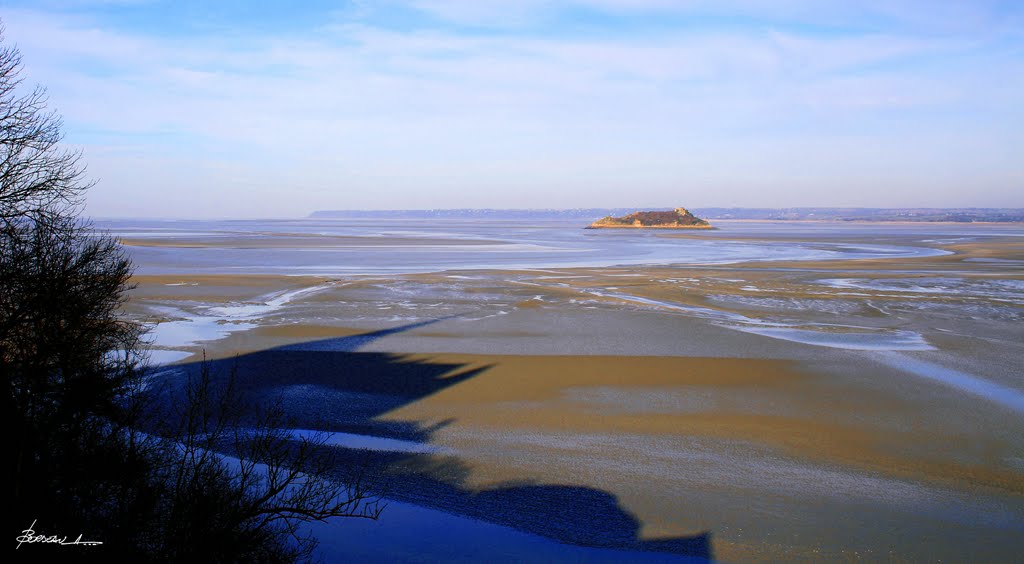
(959, 215)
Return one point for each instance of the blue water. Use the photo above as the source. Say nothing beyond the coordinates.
(337, 247)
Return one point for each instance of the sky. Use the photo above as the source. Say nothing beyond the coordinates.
(190, 108)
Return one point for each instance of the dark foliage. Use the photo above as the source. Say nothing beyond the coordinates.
(190, 473)
(249, 505)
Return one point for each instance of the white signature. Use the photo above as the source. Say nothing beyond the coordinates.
(29, 536)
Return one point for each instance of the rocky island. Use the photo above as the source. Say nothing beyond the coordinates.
(679, 218)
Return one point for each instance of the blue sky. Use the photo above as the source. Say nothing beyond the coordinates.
(270, 109)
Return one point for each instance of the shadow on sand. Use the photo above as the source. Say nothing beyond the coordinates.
(327, 385)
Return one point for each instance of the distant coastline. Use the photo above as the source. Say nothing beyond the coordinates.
(875, 221)
(860, 215)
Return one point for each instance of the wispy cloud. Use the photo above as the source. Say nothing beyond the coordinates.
(359, 111)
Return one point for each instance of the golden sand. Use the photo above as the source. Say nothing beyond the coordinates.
(871, 421)
(527, 392)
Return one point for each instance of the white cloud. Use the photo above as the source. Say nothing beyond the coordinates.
(354, 115)
(919, 16)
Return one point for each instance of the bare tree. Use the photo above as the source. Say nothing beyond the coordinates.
(83, 451)
(38, 177)
(67, 356)
(240, 485)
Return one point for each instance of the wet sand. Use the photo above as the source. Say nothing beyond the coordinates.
(772, 404)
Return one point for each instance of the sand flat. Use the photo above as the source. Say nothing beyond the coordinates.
(645, 382)
(532, 392)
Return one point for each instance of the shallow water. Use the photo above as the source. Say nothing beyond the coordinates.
(1009, 290)
(1002, 395)
(212, 323)
(374, 247)
(157, 357)
(822, 334)
(860, 331)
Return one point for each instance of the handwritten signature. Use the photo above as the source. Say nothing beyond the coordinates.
(29, 536)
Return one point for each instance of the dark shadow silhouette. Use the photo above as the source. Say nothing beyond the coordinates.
(574, 515)
(328, 385)
(353, 342)
(558, 511)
